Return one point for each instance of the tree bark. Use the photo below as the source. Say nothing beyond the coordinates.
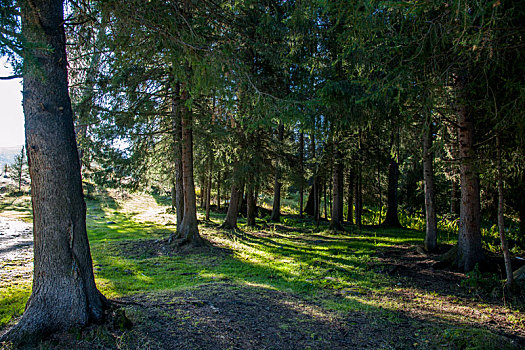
(219, 190)
(189, 231)
(428, 176)
(501, 218)
(209, 185)
(176, 119)
(470, 251)
(276, 208)
(350, 199)
(64, 293)
(358, 198)
(391, 218)
(230, 222)
(301, 169)
(337, 218)
(251, 206)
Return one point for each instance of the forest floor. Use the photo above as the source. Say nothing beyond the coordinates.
(279, 286)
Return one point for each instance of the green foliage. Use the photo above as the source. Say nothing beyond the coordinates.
(476, 280)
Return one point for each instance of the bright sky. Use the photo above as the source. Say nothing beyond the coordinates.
(11, 115)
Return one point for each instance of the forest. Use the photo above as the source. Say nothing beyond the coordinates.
(241, 174)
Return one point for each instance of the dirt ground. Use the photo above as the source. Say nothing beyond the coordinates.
(16, 250)
(226, 315)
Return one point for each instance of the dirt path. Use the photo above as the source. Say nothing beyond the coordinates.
(16, 250)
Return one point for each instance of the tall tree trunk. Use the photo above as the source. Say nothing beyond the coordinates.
(276, 208)
(230, 222)
(501, 218)
(251, 205)
(219, 191)
(189, 231)
(176, 119)
(379, 194)
(391, 218)
(301, 169)
(338, 190)
(64, 293)
(453, 197)
(350, 199)
(358, 197)
(209, 185)
(469, 252)
(428, 176)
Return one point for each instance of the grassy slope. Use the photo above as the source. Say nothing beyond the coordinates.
(295, 258)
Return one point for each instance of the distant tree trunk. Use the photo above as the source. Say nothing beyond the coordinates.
(469, 252)
(301, 169)
(203, 191)
(230, 222)
(350, 199)
(358, 198)
(276, 208)
(455, 158)
(176, 118)
(338, 190)
(251, 205)
(379, 193)
(219, 190)
(391, 218)
(64, 293)
(173, 194)
(189, 232)
(501, 218)
(209, 185)
(453, 198)
(428, 175)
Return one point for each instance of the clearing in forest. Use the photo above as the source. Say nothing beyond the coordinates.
(279, 286)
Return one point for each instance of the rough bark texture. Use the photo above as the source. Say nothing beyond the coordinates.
(470, 251)
(189, 231)
(391, 218)
(501, 219)
(219, 190)
(230, 222)
(64, 292)
(276, 208)
(251, 206)
(350, 198)
(430, 201)
(337, 218)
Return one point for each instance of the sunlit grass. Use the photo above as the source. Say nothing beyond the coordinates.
(295, 256)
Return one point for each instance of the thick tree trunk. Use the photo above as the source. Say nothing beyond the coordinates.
(251, 206)
(501, 219)
(64, 292)
(470, 251)
(350, 198)
(391, 218)
(430, 201)
(276, 207)
(189, 231)
(230, 222)
(337, 218)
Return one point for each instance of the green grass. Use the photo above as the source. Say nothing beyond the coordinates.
(295, 257)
